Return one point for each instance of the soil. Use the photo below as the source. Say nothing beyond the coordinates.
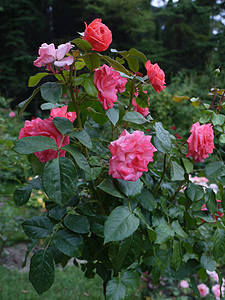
(13, 257)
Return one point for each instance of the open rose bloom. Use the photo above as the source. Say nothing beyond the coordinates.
(62, 112)
(200, 142)
(48, 54)
(131, 154)
(98, 35)
(203, 290)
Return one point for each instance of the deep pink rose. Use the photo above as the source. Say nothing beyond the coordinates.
(12, 114)
(131, 154)
(62, 112)
(48, 54)
(105, 82)
(156, 76)
(121, 81)
(139, 109)
(200, 142)
(98, 35)
(45, 127)
(203, 290)
(216, 291)
(184, 284)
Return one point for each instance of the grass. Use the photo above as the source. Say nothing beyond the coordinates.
(70, 283)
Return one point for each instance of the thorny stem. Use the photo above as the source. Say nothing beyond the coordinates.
(164, 171)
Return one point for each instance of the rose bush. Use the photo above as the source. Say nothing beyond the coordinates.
(119, 185)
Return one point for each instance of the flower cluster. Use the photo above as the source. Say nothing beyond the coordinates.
(131, 154)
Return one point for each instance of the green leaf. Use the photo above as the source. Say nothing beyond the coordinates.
(63, 125)
(60, 180)
(163, 137)
(215, 169)
(57, 212)
(95, 172)
(68, 242)
(138, 54)
(115, 289)
(130, 188)
(222, 139)
(204, 216)
(219, 243)
(176, 171)
(22, 105)
(108, 186)
(210, 200)
(51, 92)
(194, 287)
(31, 144)
(113, 115)
(49, 105)
(142, 99)
(22, 195)
(42, 271)
(155, 274)
(132, 63)
(178, 229)
(82, 44)
(77, 223)
(178, 99)
(90, 88)
(37, 166)
(37, 227)
(194, 192)
(131, 278)
(78, 157)
(164, 233)
(34, 80)
(208, 263)
(177, 256)
(92, 61)
(134, 117)
(116, 65)
(188, 165)
(151, 232)
(82, 137)
(147, 200)
(218, 119)
(120, 224)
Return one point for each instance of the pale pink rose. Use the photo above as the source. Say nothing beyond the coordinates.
(106, 83)
(203, 290)
(200, 142)
(45, 127)
(216, 291)
(139, 109)
(62, 112)
(98, 35)
(213, 275)
(48, 54)
(131, 154)
(12, 114)
(184, 284)
(156, 76)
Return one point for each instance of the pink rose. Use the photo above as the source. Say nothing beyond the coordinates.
(156, 76)
(121, 81)
(98, 35)
(213, 275)
(45, 127)
(139, 109)
(62, 112)
(106, 83)
(184, 284)
(200, 142)
(131, 154)
(48, 54)
(12, 114)
(203, 290)
(216, 291)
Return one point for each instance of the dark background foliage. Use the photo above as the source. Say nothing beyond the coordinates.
(186, 35)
